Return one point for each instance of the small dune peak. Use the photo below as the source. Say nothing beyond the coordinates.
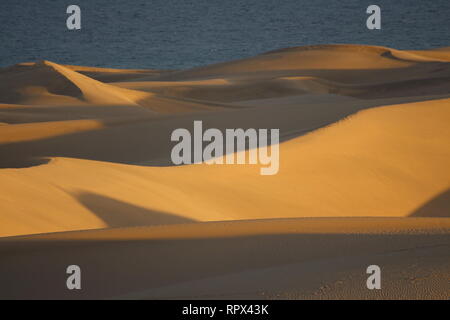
(53, 83)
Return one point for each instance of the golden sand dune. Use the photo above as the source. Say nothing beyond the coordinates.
(346, 63)
(396, 164)
(363, 176)
(349, 70)
(47, 83)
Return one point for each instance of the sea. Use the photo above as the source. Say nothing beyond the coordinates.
(180, 34)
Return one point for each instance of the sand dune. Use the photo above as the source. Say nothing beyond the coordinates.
(391, 168)
(271, 259)
(355, 64)
(45, 82)
(363, 177)
(102, 74)
(348, 70)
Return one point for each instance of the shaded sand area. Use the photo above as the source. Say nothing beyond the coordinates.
(310, 258)
(364, 178)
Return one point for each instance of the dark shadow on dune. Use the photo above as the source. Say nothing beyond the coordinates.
(279, 87)
(439, 206)
(41, 75)
(113, 266)
(24, 163)
(425, 70)
(108, 77)
(116, 213)
(22, 114)
(149, 142)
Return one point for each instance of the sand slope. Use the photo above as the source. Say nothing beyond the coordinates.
(363, 177)
(271, 259)
(397, 163)
(45, 81)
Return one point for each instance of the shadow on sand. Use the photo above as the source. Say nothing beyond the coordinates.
(116, 213)
(439, 206)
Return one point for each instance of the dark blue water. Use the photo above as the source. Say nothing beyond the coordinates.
(185, 33)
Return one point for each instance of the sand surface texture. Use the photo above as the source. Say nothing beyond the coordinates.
(86, 178)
